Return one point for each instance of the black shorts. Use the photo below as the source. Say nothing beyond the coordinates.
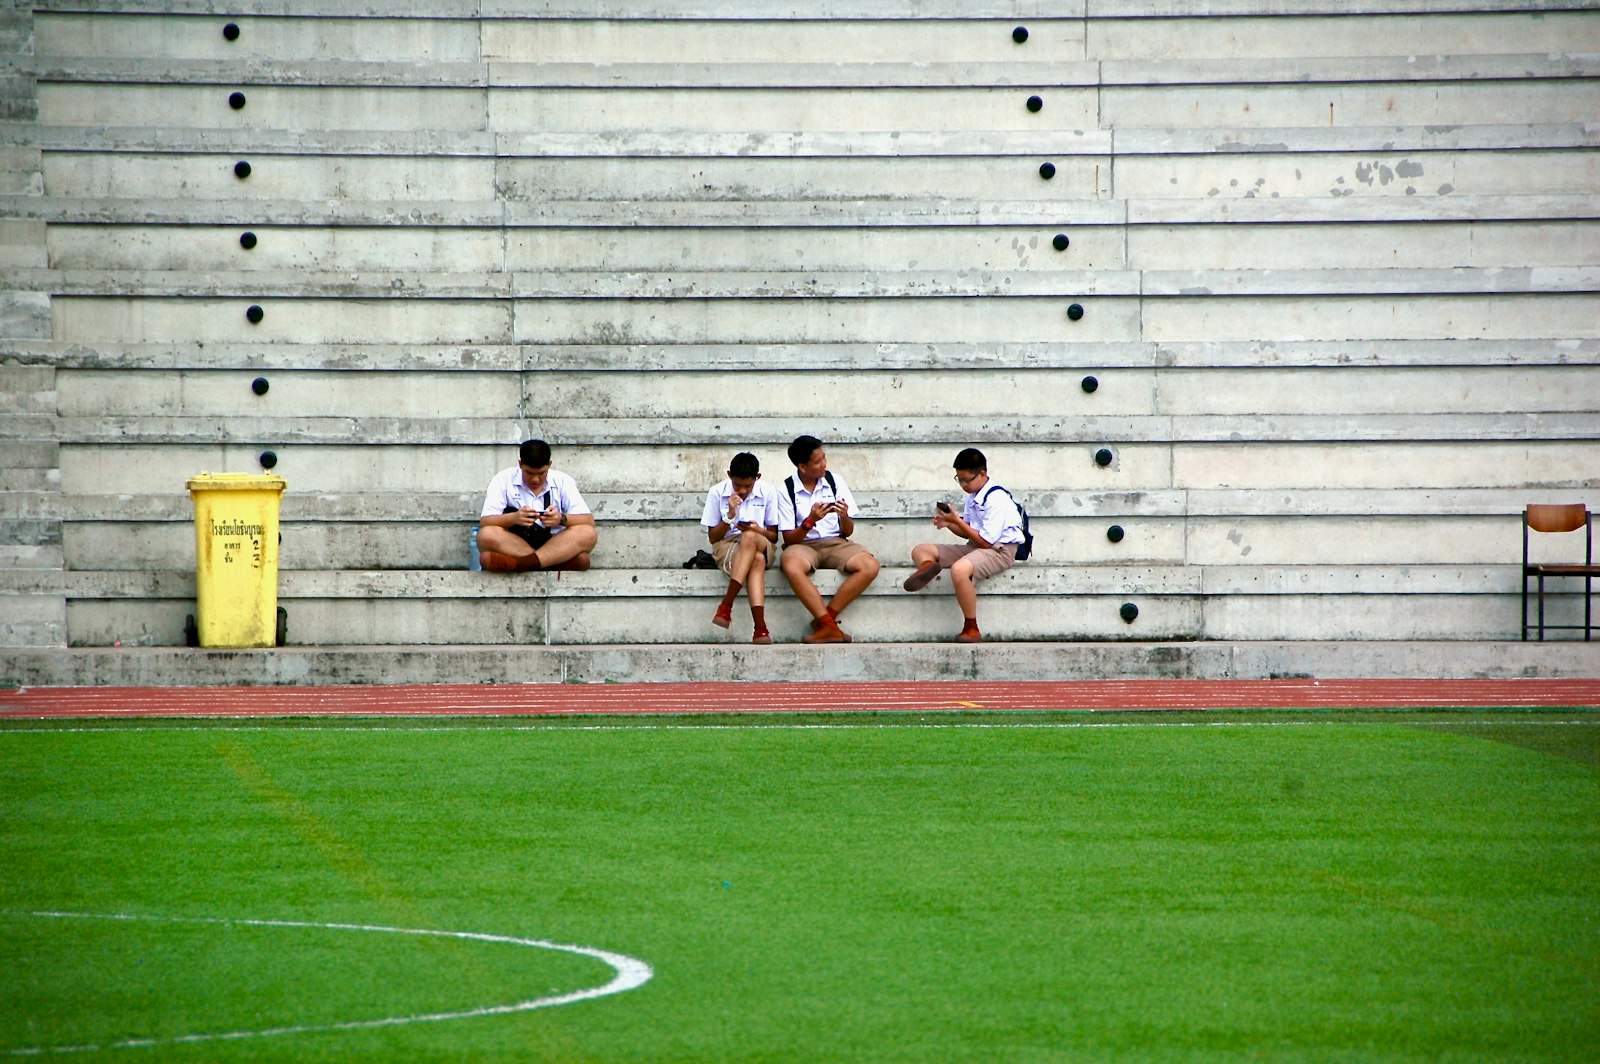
(534, 536)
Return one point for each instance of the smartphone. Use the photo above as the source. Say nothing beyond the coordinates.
(944, 508)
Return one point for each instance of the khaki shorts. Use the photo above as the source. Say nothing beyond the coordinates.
(826, 553)
(986, 561)
(724, 549)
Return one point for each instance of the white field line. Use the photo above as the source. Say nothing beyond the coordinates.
(733, 726)
(631, 973)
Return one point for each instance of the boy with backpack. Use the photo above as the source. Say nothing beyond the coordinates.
(816, 515)
(994, 528)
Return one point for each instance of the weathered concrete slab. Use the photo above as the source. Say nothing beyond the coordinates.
(1371, 317)
(1400, 174)
(822, 358)
(305, 178)
(148, 35)
(1011, 179)
(267, 106)
(1392, 245)
(1417, 104)
(1398, 464)
(165, 666)
(33, 621)
(926, 39)
(1469, 32)
(1552, 465)
(91, 320)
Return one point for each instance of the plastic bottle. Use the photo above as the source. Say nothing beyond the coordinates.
(474, 563)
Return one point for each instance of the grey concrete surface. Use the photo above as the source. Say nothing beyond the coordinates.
(163, 666)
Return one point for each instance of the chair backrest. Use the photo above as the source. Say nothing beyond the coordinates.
(1558, 517)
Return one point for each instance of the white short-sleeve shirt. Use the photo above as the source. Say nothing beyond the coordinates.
(993, 512)
(828, 527)
(508, 489)
(761, 507)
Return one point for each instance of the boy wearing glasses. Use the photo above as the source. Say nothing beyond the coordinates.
(990, 524)
(534, 517)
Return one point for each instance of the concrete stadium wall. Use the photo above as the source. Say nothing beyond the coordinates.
(1337, 263)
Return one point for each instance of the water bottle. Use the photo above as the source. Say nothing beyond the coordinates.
(473, 562)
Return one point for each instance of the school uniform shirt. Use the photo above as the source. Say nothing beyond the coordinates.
(828, 527)
(509, 489)
(993, 514)
(761, 507)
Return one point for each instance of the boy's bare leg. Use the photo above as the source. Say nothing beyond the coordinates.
(966, 588)
(567, 547)
(798, 574)
(750, 568)
(861, 570)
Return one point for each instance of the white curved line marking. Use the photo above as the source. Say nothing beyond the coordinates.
(631, 974)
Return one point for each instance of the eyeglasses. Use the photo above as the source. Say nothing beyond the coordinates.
(967, 478)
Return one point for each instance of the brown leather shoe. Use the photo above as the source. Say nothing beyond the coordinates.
(816, 626)
(496, 562)
(826, 633)
(922, 577)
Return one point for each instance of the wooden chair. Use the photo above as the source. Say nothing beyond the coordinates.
(1552, 517)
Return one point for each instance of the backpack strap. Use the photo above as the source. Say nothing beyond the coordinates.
(794, 504)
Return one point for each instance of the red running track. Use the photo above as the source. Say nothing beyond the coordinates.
(556, 699)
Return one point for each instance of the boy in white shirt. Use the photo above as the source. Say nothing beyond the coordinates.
(534, 517)
(816, 516)
(741, 521)
(991, 525)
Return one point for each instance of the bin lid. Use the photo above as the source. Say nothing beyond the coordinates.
(237, 482)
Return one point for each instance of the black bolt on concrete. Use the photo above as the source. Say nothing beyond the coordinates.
(1035, 103)
(268, 459)
(259, 386)
(247, 240)
(1019, 34)
(1129, 611)
(255, 314)
(1047, 170)
(1114, 533)
(241, 169)
(1060, 242)
(1075, 311)
(1090, 384)
(231, 31)
(236, 100)
(1103, 456)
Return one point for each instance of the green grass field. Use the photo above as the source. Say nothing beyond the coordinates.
(1339, 887)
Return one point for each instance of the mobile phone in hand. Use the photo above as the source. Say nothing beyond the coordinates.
(944, 508)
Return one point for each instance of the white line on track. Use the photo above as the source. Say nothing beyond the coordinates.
(631, 974)
(199, 724)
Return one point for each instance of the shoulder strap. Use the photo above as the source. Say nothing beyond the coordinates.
(831, 485)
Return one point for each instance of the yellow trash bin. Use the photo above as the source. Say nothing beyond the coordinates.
(236, 557)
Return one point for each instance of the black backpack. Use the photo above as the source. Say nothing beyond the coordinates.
(1024, 548)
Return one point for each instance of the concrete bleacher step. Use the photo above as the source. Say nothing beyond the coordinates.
(666, 663)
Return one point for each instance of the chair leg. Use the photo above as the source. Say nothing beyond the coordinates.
(1541, 607)
(1524, 607)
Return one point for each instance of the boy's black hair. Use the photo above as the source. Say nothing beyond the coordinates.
(744, 464)
(535, 454)
(971, 460)
(803, 447)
